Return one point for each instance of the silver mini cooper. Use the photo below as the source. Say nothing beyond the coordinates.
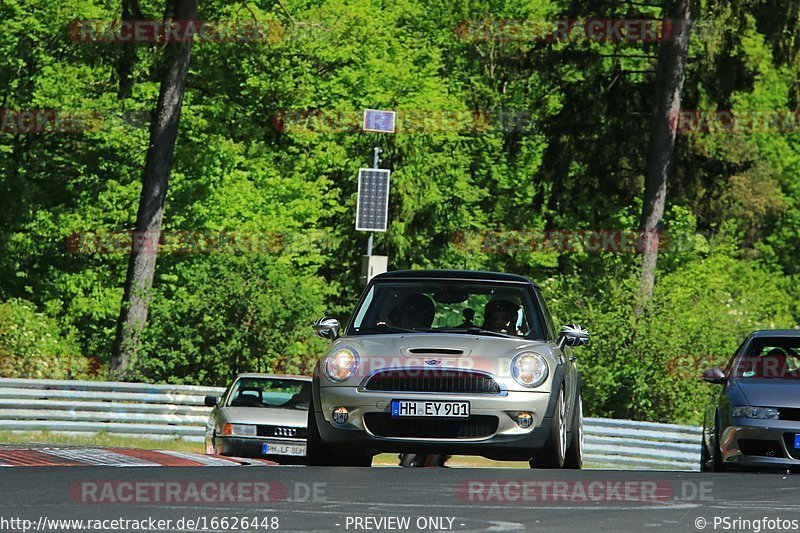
(448, 362)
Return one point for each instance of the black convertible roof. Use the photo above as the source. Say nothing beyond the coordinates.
(454, 274)
(775, 333)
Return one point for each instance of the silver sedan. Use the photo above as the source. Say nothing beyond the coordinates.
(262, 416)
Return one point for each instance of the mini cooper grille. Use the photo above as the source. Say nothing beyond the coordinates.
(281, 432)
(476, 427)
(413, 380)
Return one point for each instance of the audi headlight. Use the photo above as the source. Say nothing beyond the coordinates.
(529, 369)
(341, 364)
(766, 413)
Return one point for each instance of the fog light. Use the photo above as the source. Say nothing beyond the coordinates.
(524, 419)
(340, 415)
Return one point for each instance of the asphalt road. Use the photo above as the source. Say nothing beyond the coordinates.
(350, 499)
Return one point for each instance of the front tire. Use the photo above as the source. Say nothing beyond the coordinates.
(717, 465)
(317, 453)
(574, 457)
(553, 454)
(705, 460)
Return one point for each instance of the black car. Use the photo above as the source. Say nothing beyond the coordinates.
(754, 421)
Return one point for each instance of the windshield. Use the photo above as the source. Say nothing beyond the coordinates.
(270, 392)
(449, 306)
(769, 358)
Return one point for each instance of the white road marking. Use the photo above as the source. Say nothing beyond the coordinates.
(98, 457)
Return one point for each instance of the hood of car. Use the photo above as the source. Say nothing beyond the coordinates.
(770, 392)
(439, 350)
(263, 416)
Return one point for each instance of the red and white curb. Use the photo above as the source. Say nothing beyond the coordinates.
(122, 457)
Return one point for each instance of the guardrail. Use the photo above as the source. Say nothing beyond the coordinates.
(646, 445)
(178, 411)
(123, 409)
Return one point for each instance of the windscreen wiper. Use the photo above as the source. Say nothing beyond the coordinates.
(386, 327)
(475, 330)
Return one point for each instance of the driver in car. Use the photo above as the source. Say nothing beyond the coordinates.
(501, 316)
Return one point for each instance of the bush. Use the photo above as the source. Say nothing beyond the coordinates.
(648, 368)
(32, 345)
(216, 316)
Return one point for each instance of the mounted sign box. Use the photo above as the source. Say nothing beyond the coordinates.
(372, 210)
(371, 266)
(379, 121)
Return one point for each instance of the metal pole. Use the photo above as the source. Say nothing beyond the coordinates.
(375, 164)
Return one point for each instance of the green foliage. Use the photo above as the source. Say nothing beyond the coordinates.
(649, 367)
(215, 316)
(32, 345)
(563, 147)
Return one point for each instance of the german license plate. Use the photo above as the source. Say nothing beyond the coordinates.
(797, 442)
(297, 450)
(434, 409)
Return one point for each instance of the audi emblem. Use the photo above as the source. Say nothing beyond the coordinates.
(285, 432)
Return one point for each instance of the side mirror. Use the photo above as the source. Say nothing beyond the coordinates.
(573, 335)
(326, 328)
(212, 401)
(714, 375)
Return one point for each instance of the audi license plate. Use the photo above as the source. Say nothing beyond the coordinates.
(297, 450)
(797, 442)
(435, 409)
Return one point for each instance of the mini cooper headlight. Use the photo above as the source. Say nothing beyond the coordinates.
(529, 369)
(341, 364)
(767, 413)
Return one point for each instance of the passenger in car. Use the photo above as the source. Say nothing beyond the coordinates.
(501, 316)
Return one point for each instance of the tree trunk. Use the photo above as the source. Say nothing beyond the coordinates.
(144, 241)
(669, 84)
(127, 59)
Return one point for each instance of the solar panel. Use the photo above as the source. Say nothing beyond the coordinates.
(379, 121)
(372, 211)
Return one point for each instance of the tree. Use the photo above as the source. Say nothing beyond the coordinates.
(127, 60)
(163, 133)
(669, 84)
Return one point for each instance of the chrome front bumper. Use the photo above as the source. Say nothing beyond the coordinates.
(508, 441)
